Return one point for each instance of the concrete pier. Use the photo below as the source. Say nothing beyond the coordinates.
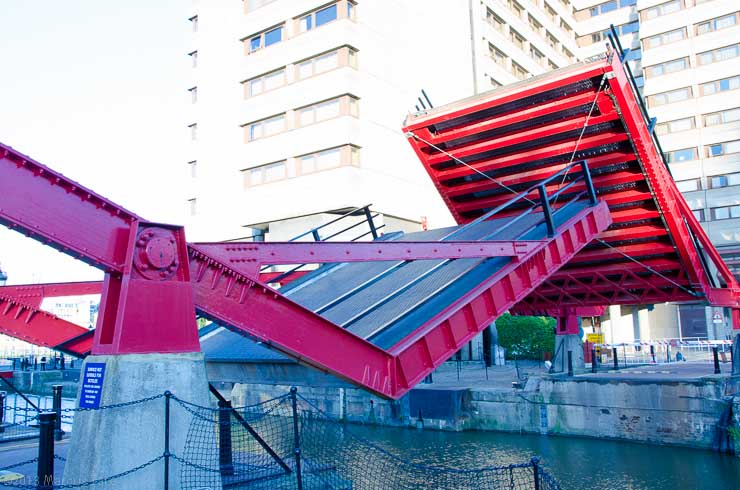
(107, 442)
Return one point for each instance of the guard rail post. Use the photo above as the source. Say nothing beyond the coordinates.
(225, 454)
(715, 354)
(616, 360)
(57, 408)
(45, 469)
(296, 438)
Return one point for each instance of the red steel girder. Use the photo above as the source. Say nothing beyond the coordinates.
(249, 257)
(34, 294)
(26, 322)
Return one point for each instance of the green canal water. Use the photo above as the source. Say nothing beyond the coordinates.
(577, 463)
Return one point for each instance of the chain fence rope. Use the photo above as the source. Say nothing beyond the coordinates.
(288, 443)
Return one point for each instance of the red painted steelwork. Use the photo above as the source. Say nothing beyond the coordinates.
(34, 294)
(249, 257)
(527, 132)
(28, 323)
(232, 298)
(149, 296)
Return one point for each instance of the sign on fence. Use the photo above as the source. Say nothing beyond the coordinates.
(595, 338)
(92, 385)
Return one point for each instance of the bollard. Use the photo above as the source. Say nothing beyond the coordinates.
(652, 353)
(45, 472)
(296, 438)
(35, 364)
(225, 453)
(57, 408)
(593, 359)
(616, 361)
(717, 370)
(570, 363)
(536, 471)
(2, 411)
(668, 353)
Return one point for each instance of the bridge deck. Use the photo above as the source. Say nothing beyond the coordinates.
(477, 151)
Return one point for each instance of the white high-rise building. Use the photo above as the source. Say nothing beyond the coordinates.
(297, 106)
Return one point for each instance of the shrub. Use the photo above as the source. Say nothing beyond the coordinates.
(526, 336)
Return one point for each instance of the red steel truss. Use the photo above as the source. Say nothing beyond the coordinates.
(479, 150)
(155, 281)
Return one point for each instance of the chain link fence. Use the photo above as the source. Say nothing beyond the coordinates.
(285, 443)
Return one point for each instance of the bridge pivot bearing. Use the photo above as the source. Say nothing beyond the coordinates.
(155, 256)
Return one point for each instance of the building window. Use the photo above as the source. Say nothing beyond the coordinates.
(328, 159)
(722, 85)
(265, 127)
(726, 148)
(193, 94)
(345, 56)
(494, 83)
(667, 67)
(717, 55)
(670, 97)
(551, 14)
(263, 39)
(551, 41)
(193, 58)
(665, 38)
(722, 117)
(495, 21)
(194, 23)
(630, 27)
(716, 24)
(564, 26)
(683, 155)
(534, 24)
(535, 54)
(264, 83)
(518, 71)
(719, 181)
(698, 214)
(689, 185)
(517, 39)
(497, 55)
(725, 212)
(551, 65)
(603, 8)
(328, 109)
(516, 8)
(317, 18)
(351, 10)
(675, 126)
(662, 9)
(568, 54)
(265, 174)
(193, 131)
(192, 206)
(192, 169)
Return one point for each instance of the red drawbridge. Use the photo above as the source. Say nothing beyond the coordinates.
(564, 205)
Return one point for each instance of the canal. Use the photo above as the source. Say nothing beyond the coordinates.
(577, 463)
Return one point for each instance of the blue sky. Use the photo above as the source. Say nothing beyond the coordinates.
(98, 91)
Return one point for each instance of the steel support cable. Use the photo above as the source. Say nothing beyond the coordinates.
(583, 131)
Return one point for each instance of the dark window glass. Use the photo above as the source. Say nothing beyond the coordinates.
(631, 27)
(609, 6)
(255, 43)
(326, 15)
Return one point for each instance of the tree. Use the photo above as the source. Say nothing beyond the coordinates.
(526, 336)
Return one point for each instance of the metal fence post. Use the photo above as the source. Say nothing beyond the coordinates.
(715, 354)
(570, 363)
(57, 408)
(225, 455)
(536, 471)
(593, 360)
(652, 353)
(45, 467)
(296, 437)
(616, 360)
(2, 411)
(167, 396)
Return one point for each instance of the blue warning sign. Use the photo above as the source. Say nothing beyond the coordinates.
(92, 385)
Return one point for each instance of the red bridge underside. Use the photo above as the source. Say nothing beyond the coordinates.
(655, 250)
